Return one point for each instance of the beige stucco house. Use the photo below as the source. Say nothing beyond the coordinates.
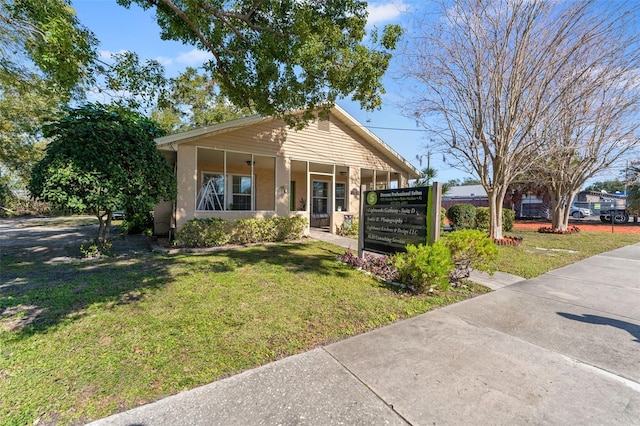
(259, 167)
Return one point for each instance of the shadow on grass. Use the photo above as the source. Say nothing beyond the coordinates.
(37, 296)
(316, 258)
(633, 329)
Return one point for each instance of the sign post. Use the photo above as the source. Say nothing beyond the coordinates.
(393, 218)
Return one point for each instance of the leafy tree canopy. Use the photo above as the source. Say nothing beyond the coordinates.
(281, 56)
(610, 186)
(47, 34)
(192, 100)
(102, 158)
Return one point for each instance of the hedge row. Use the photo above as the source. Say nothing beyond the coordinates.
(467, 216)
(214, 232)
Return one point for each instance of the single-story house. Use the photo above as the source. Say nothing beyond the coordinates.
(257, 167)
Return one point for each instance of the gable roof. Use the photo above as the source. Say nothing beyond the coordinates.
(337, 112)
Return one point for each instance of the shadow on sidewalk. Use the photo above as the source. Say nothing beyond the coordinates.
(631, 328)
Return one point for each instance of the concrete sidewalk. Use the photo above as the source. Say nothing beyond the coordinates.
(563, 348)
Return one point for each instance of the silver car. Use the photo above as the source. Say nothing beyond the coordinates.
(579, 212)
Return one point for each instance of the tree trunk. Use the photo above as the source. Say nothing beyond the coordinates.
(101, 225)
(104, 229)
(559, 217)
(561, 200)
(107, 227)
(496, 198)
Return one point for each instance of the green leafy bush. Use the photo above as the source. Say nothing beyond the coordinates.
(424, 267)
(97, 248)
(470, 249)
(508, 219)
(248, 231)
(217, 232)
(289, 228)
(462, 216)
(349, 227)
(138, 223)
(483, 218)
(210, 232)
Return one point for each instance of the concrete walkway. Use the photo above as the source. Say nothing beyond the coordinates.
(563, 348)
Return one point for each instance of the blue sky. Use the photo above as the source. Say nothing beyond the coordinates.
(133, 29)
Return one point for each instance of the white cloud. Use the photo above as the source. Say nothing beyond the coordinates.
(384, 12)
(105, 55)
(193, 57)
(163, 60)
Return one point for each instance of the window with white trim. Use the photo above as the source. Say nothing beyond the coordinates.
(241, 193)
(341, 196)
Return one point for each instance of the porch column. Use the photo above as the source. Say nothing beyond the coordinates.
(283, 173)
(187, 177)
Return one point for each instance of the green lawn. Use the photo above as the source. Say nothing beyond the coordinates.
(540, 253)
(85, 340)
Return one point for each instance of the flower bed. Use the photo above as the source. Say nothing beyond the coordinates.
(549, 230)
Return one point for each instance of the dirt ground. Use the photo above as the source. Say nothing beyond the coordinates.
(586, 226)
(34, 239)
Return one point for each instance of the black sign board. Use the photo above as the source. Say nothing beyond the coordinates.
(394, 218)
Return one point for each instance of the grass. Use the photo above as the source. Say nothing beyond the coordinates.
(84, 340)
(540, 253)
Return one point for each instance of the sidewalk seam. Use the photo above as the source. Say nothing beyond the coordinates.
(595, 369)
(367, 386)
(569, 303)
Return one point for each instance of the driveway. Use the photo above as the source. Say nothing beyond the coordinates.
(56, 240)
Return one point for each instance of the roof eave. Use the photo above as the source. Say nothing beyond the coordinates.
(367, 134)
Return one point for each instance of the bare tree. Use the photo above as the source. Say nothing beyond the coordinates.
(595, 120)
(486, 72)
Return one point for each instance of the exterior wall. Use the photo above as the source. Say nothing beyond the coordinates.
(339, 146)
(163, 212)
(162, 218)
(186, 175)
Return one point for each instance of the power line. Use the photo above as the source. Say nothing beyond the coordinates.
(391, 128)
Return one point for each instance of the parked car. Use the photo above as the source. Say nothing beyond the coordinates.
(117, 215)
(579, 212)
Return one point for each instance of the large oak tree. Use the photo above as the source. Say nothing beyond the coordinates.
(278, 57)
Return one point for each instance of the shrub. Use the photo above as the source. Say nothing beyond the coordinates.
(508, 219)
(469, 248)
(289, 228)
(349, 227)
(248, 231)
(424, 267)
(138, 223)
(217, 232)
(97, 248)
(483, 218)
(462, 216)
(210, 232)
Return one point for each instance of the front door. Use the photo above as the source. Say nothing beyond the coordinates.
(320, 203)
